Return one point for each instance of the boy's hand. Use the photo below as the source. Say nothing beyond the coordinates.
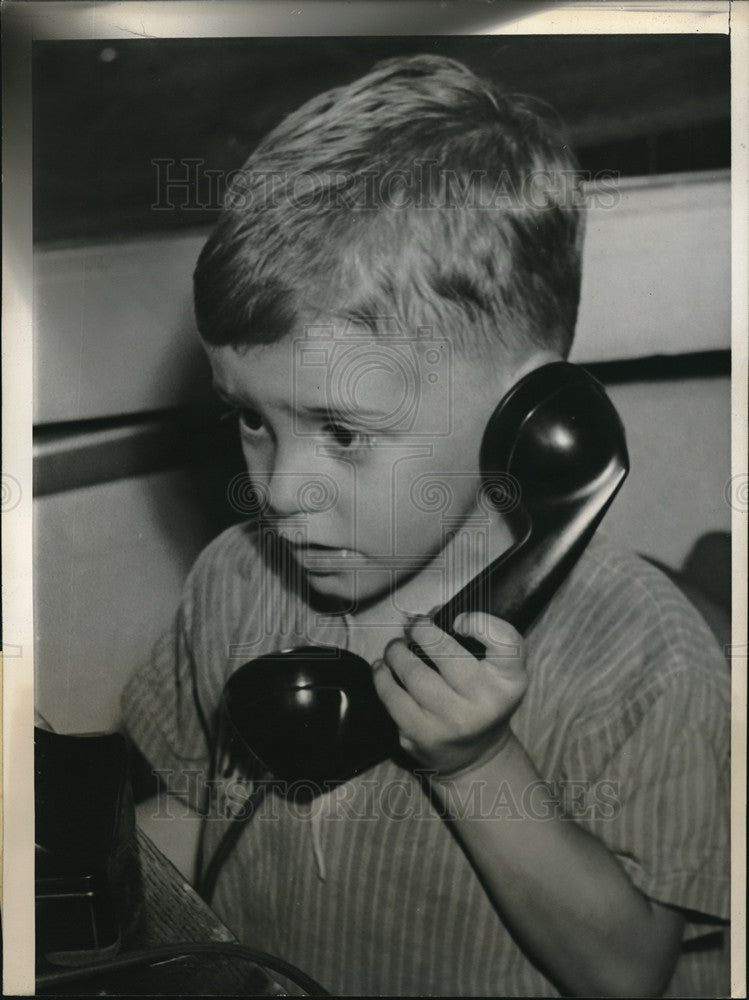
(455, 717)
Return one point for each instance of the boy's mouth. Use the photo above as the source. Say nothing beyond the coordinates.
(322, 560)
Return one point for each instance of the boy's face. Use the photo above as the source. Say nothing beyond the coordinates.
(365, 450)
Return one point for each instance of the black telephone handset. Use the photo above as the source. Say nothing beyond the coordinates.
(312, 714)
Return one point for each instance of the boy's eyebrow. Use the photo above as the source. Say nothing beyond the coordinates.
(336, 412)
(223, 395)
(331, 412)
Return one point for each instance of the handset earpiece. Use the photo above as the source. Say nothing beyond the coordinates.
(313, 714)
(559, 438)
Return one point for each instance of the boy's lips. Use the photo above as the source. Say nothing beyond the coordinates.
(317, 558)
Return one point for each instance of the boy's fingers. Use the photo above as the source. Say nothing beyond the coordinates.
(460, 670)
(403, 709)
(424, 685)
(456, 665)
(501, 640)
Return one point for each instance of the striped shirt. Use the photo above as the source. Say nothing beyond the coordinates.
(366, 888)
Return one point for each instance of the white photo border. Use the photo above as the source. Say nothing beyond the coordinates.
(26, 22)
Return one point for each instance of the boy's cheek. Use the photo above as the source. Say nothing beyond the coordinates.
(428, 502)
(393, 519)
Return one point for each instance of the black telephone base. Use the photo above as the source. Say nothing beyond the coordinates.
(87, 873)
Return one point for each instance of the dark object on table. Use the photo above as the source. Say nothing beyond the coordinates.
(108, 904)
(86, 858)
(204, 958)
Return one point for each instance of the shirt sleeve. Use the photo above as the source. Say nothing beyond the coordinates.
(160, 703)
(656, 759)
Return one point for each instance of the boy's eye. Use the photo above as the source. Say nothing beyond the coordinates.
(250, 419)
(346, 437)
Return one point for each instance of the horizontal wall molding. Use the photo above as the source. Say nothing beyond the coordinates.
(74, 455)
(662, 367)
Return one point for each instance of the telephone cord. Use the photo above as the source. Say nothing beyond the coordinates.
(206, 880)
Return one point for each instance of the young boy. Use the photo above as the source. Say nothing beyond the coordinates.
(394, 256)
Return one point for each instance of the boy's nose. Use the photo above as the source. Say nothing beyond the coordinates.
(276, 495)
(283, 494)
(296, 492)
(276, 477)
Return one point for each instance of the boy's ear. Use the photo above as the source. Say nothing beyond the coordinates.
(539, 358)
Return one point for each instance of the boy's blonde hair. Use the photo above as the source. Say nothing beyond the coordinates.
(417, 196)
